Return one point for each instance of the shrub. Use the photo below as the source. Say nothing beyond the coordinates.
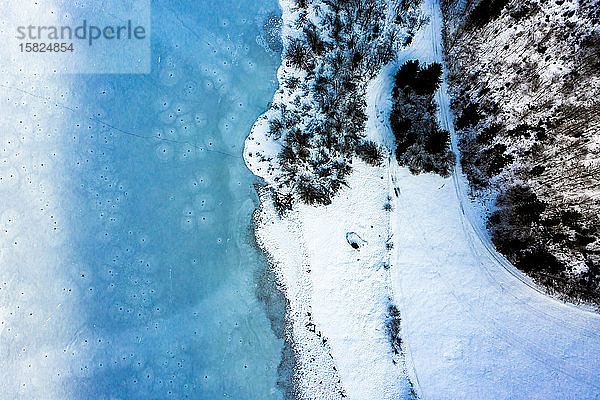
(312, 193)
(355, 117)
(342, 169)
(494, 159)
(486, 11)
(428, 80)
(406, 75)
(289, 119)
(301, 3)
(292, 82)
(421, 144)
(469, 116)
(283, 201)
(517, 233)
(316, 44)
(299, 138)
(487, 134)
(538, 259)
(399, 123)
(392, 328)
(423, 81)
(369, 152)
(298, 55)
(438, 141)
(335, 185)
(288, 159)
(275, 129)
(520, 205)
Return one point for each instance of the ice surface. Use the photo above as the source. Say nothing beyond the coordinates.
(126, 269)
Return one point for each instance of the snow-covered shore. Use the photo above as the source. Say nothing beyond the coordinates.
(473, 326)
(338, 296)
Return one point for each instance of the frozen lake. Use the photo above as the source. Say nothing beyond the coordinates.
(127, 269)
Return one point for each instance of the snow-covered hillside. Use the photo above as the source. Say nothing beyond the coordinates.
(524, 79)
(473, 325)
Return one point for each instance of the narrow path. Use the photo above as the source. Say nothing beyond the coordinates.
(474, 326)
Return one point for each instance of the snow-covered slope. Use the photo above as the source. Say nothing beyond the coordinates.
(474, 326)
(524, 79)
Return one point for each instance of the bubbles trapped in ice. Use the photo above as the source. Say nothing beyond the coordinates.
(205, 202)
(167, 117)
(188, 152)
(199, 182)
(271, 33)
(10, 223)
(200, 119)
(163, 152)
(188, 220)
(190, 88)
(119, 297)
(170, 72)
(162, 103)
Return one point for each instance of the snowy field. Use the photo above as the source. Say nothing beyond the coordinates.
(338, 295)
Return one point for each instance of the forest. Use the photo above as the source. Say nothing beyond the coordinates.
(320, 122)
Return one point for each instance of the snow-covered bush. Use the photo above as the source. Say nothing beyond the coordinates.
(392, 328)
(283, 202)
(298, 55)
(369, 152)
(420, 142)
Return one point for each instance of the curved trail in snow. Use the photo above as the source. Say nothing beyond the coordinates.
(474, 326)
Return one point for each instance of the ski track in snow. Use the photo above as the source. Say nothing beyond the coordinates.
(475, 327)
